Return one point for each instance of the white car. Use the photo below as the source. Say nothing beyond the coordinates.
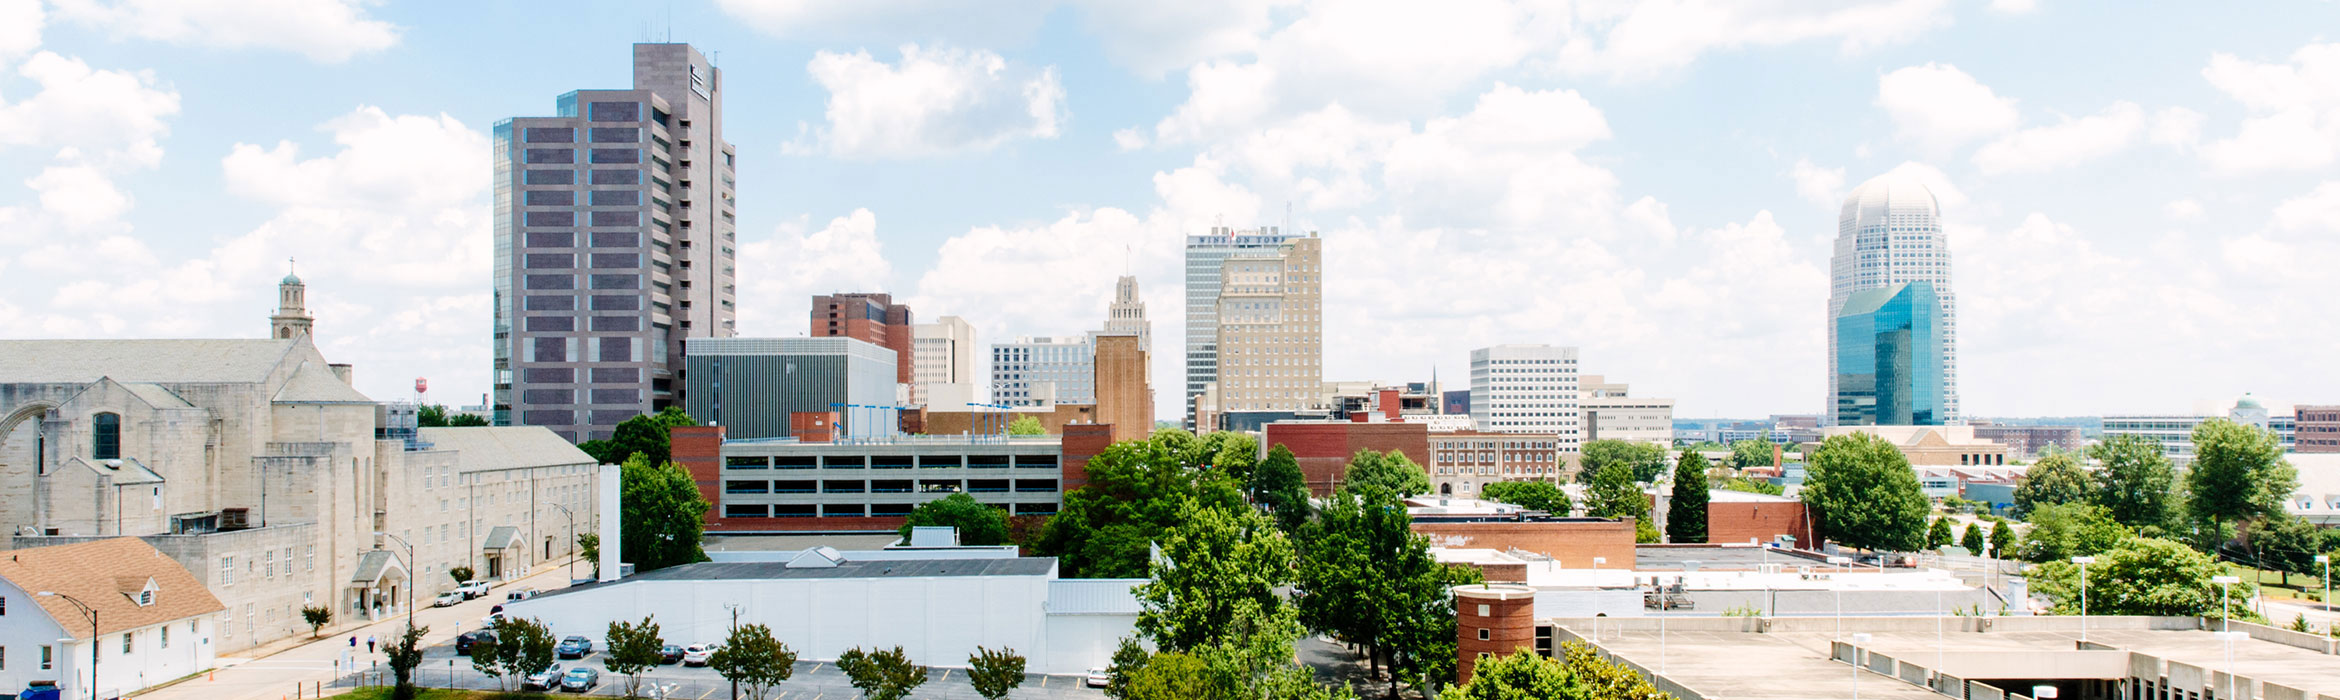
(448, 598)
(1098, 678)
(490, 620)
(698, 654)
(521, 594)
(474, 589)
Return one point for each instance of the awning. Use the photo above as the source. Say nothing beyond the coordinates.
(500, 538)
(372, 566)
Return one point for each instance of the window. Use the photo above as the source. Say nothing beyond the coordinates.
(1483, 634)
(125, 642)
(310, 561)
(145, 598)
(47, 660)
(271, 559)
(105, 440)
(166, 635)
(227, 570)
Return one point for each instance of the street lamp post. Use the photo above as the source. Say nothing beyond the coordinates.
(572, 539)
(1839, 586)
(2228, 638)
(1597, 562)
(2225, 617)
(91, 613)
(1858, 640)
(2326, 560)
(2083, 562)
(409, 575)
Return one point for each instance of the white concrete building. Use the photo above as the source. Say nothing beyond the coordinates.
(1890, 232)
(938, 605)
(943, 366)
(1044, 371)
(2175, 432)
(1527, 389)
(154, 622)
(1612, 413)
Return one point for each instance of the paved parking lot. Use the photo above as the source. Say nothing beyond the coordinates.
(441, 668)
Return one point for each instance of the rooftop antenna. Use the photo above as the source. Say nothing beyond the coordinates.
(1126, 252)
(288, 265)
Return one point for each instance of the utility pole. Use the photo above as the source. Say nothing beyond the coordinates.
(735, 630)
(92, 614)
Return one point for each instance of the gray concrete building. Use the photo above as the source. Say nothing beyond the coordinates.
(615, 237)
(751, 386)
(786, 485)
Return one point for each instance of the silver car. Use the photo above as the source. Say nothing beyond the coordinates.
(543, 680)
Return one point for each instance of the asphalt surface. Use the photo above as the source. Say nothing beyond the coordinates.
(441, 668)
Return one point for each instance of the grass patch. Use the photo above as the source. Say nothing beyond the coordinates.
(383, 693)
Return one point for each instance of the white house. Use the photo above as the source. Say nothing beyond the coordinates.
(152, 621)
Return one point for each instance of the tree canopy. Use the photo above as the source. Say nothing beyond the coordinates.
(1862, 493)
(1389, 471)
(754, 659)
(1973, 540)
(2145, 576)
(979, 525)
(1135, 494)
(437, 416)
(881, 675)
(662, 515)
(644, 434)
(2134, 480)
(1614, 495)
(1366, 578)
(1277, 484)
(1213, 561)
(2238, 474)
(994, 673)
(1751, 453)
(1233, 453)
(1642, 460)
(1579, 674)
(2055, 478)
(1026, 425)
(1532, 495)
(2062, 531)
(1686, 505)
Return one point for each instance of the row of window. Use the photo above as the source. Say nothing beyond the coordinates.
(799, 486)
(263, 566)
(1042, 461)
(856, 510)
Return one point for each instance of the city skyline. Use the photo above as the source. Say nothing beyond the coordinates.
(2173, 210)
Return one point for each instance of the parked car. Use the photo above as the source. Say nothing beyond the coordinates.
(1099, 678)
(474, 589)
(448, 598)
(574, 647)
(670, 654)
(522, 594)
(467, 641)
(490, 620)
(545, 680)
(580, 679)
(697, 654)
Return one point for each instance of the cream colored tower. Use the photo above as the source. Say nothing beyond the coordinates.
(292, 318)
(1271, 329)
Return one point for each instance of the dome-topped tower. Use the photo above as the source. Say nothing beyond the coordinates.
(292, 314)
(1889, 232)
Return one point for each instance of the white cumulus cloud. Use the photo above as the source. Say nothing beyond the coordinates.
(1822, 186)
(2295, 111)
(329, 31)
(1636, 39)
(779, 274)
(934, 101)
(2067, 143)
(20, 27)
(1937, 105)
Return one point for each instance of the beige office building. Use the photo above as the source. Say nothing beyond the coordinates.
(1271, 329)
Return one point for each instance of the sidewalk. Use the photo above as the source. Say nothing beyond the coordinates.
(274, 671)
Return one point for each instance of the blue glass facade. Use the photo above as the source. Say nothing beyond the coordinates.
(1889, 357)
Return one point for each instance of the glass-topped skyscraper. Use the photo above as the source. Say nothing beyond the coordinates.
(1890, 233)
(1888, 357)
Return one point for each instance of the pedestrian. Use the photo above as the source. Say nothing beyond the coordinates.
(353, 642)
(369, 644)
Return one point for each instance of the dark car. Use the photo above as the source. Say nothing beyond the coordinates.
(574, 647)
(670, 654)
(468, 641)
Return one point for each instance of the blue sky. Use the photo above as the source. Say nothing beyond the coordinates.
(2144, 199)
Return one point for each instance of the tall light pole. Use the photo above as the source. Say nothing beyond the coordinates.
(1859, 639)
(572, 539)
(91, 613)
(2326, 560)
(1764, 573)
(409, 575)
(734, 607)
(1839, 586)
(1597, 562)
(2228, 638)
(2225, 617)
(2083, 562)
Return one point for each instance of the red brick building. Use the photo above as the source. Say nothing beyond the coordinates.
(1733, 517)
(1323, 448)
(1572, 541)
(1462, 463)
(2317, 430)
(1491, 621)
(869, 317)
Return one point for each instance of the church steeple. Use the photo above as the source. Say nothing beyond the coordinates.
(292, 315)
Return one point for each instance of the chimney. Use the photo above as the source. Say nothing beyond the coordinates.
(345, 372)
(612, 538)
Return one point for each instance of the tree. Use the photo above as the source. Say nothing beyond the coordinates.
(884, 675)
(1182, 446)
(317, 616)
(662, 515)
(1169, 676)
(485, 658)
(2145, 576)
(2002, 539)
(2055, 478)
(1973, 539)
(1686, 508)
(2238, 474)
(2134, 480)
(1135, 492)
(437, 416)
(1614, 495)
(461, 574)
(754, 660)
(1389, 471)
(2286, 543)
(994, 673)
(1747, 454)
(1579, 674)
(1532, 495)
(1277, 484)
(979, 525)
(1128, 658)
(1606, 679)
(1862, 493)
(1744, 484)
(1026, 425)
(2060, 532)
(589, 547)
(1642, 460)
(1212, 560)
(1367, 579)
(522, 648)
(1938, 534)
(405, 654)
(645, 435)
(1232, 453)
(633, 648)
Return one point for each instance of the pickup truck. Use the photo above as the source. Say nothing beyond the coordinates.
(474, 589)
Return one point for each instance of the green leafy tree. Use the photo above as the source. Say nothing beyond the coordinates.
(437, 416)
(522, 648)
(1232, 453)
(2287, 544)
(2145, 576)
(2238, 474)
(1128, 658)
(1253, 661)
(1614, 495)
(882, 675)
(1938, 534)
(1183, 446)
(461, 574)
(1686, 507)
(1026, 425)
(1277, 484)
(1169, 676)
(2060, 532)
(1135, 493)
(405, 654)
(317, 616)
(1579, 674)
(979, 525)
(754, 660)
(2134, 481)
(485, 655)
(662, 515)
(633, 648)
(1642, 460)
(1389, 471)
(1212, 560)
(1367, 579)
(1973, 539)
(2055, 478)
(645, 435)
(2002, 539)
(1862, 493)
(589, 547)
(1532, 495)
(994, 673)
(1747, 485)
(1607, 679)
(1747, 454)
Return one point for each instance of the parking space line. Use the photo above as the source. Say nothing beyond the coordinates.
(703, 696)
(946, 675)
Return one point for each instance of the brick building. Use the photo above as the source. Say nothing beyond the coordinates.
(1737, 516)
(2316, 429)
(1462, 523)
(1124, 398)
(871, 317)
(2027, 441)
(1492, 621)
(1323, 448)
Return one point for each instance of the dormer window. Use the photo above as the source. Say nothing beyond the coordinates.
(145, 598)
